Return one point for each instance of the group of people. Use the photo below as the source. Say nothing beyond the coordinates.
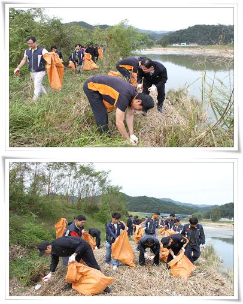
(107, 93)
(71, 247)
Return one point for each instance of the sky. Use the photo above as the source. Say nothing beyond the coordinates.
(188, 182)
(155, 19)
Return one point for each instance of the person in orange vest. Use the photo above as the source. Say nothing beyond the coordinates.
(111, 93)
(128, 65)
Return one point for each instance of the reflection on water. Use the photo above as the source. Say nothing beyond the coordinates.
(223, 242)
(185, 71)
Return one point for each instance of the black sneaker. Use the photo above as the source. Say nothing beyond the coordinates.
(107, 290)
(160, 109)
(68, 286)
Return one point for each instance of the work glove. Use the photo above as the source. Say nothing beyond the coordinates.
(139, 87)
(47, 278)
(72, 258)
(203, 246)
(16, 71)
(152, 89)
(151, 257)
(133, 139)
(145, 255)
(183, 249)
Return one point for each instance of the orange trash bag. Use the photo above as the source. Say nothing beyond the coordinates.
(60, 227)
(100, 52)
(181, 266)
(164, 252)
(134, 79)
(169, 232)
(138, 233)
(54, 69)
(114, 73)
(162, 230)
(71, 65)
(89, 63)
(86, 280)
(88, 238)
(121, 249)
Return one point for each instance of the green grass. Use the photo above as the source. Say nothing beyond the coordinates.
(64, 119)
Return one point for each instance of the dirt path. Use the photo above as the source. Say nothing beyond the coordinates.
(140, 281)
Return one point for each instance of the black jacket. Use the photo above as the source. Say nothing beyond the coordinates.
(66, 246)
(155, 248)
(111, 233)
(158, 77)
(195, 235)
(178, 242)
(94, 232)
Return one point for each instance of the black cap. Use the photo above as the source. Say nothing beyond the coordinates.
(42, 247)
(147, 101)
(165, 241)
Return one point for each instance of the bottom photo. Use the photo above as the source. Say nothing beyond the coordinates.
(121, 229)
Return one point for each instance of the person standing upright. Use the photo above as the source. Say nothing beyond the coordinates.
(34, 56)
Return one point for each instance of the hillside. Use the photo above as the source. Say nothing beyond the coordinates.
(152, 204)
(204, 35)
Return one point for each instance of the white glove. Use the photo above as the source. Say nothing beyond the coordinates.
(16, 71)
(139, 87)
(203, 246)
(174, 256)
(151, 257)
(72, 258)
(47, 278)
(145, 255)
(133, 139)
(152, 89)
(183, 249)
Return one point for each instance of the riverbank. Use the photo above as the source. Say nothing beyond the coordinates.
(200, 50)
(148, 280)
(229, 225)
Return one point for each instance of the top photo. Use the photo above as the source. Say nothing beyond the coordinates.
(121, 77)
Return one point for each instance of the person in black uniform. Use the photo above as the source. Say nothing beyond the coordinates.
(152, 72)
(71, 246)
(91, 50)
(178, 227)
(130, 225)
(94, 232)
(154, 246)
(55, 50)
(77, 57)
(169, 223)
(195, 233)
(107, 93)
(174, 243)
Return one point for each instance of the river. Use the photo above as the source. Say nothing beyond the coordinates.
(222, 240)
(186, 70)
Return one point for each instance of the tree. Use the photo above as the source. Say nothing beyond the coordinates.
(215, 215)
(197, 215)
(165, 41)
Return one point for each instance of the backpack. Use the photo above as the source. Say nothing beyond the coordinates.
(150, 226)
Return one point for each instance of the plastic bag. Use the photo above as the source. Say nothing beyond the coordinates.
(54, 69)
(164, 252)
(86, 280)
(60, 227)
(88, 238)
(71, 65)
(114, 73)
(181, 266)
(121, 249)
(89, 63)
(138, 233)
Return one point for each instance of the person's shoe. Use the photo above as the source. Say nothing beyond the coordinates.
(160, 109)
(68, 286)
(107, 290)
(114, 267)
